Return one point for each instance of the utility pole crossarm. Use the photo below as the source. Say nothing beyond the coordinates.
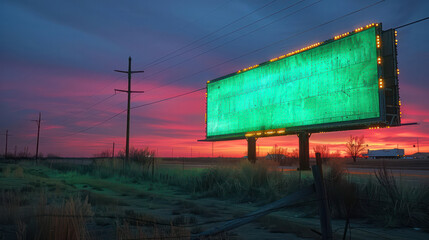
(122, 71)
(120, 90)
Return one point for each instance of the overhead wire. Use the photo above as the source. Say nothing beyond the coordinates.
(247, 25)
(155, 62)
(207, 35)
(411, 23)
(234, 31)
(269, 45)
(94, 104)
(254, 51)
(216, 47)
(169, 98)
(110, 96)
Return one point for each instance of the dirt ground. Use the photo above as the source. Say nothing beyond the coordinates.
(114, 199)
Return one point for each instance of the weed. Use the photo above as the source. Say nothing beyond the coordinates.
(64, 221)
(10, 201)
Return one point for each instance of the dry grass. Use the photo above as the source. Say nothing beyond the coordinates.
(403, 204)
(64, 221)
(10, 202)
(386, 201)
(342, 193)
(125, 230)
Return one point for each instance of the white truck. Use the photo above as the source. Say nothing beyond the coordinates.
(385, 153)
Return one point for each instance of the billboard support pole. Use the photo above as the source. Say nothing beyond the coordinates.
(251, 149)
(304, 151)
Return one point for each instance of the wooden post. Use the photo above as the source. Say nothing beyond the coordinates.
(325, 216)
(251, 149)
(304, 151)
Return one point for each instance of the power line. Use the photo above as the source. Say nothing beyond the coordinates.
(411, 23)
(95, 104)
(155, 62)
(105, 99)
(259, 49)
(97, 124)
(269, 45)
(169, 98)
(223, 27)
(216, 47)
(138, 106)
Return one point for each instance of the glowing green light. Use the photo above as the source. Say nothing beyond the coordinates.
(334, 82)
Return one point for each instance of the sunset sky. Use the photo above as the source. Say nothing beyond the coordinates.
(58, 57)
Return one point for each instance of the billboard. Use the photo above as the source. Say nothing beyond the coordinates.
(333, 85)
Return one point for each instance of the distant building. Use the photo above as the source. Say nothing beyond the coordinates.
(385, 153)
(420, 155)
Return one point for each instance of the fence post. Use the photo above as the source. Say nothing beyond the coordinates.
(325, 216)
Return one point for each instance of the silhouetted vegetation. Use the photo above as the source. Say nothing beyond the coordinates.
(355, 146)
(108, 193)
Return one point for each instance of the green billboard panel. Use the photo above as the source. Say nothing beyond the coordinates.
(333, 82)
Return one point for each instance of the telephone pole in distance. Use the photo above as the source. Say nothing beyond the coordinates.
(38, 135)
(5, 148)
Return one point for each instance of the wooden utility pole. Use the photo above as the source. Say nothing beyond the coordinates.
(113, 150)
(5, 148)
(38, 135)
(129, 72)
(418, 149)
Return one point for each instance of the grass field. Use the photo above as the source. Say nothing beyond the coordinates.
(109, 200)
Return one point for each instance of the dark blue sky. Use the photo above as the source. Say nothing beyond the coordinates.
(58, 57)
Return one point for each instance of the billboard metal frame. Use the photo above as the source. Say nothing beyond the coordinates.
(388, 91)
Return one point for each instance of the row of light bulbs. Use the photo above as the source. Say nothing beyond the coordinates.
(317, 44)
